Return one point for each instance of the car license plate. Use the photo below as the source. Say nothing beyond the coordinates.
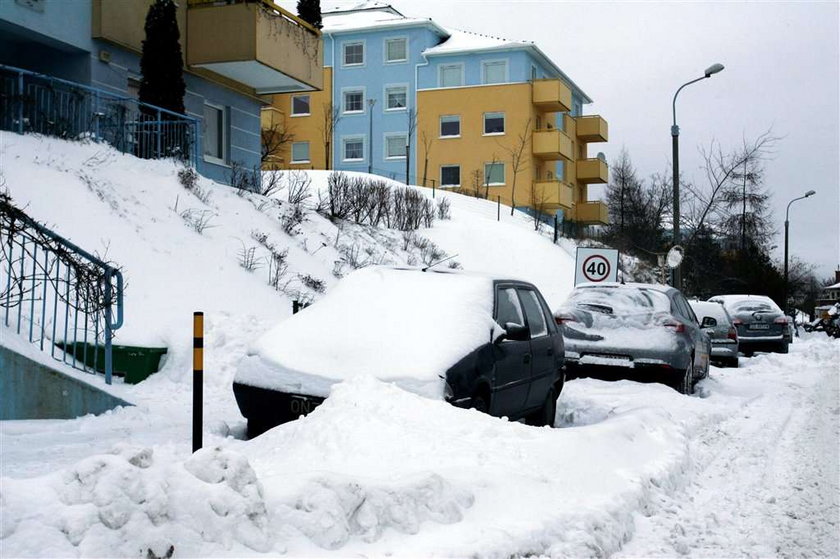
(301, 405)
(759, 326)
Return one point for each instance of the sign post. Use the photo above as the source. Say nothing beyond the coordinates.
(596, 265)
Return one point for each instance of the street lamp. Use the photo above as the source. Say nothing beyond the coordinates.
(371, 103)
(675, 150)
(787, 226)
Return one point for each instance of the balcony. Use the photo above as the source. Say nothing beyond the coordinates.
(551, 145)
(592, 213)
(552, 194)
(255, 43)
(591, 171)
(591, 128)
(552, 96)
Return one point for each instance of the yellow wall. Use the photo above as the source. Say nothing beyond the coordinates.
(306, 128)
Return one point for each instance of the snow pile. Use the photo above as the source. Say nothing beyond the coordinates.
(395, 324)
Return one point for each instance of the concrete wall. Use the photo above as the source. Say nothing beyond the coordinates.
(30, 390)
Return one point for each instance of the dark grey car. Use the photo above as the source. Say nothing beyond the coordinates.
(761, 324)
(641, 331)
(718, 325)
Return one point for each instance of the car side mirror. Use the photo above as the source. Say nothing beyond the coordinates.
(517, 332)
(708, 322)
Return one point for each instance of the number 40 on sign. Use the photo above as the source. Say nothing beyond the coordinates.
(596, 265)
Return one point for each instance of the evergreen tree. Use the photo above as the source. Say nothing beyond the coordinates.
(161, 62)
(310, 12)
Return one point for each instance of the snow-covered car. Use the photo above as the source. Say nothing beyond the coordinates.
(761, 324)
(718, 325)
(474, 340)
(641, 331)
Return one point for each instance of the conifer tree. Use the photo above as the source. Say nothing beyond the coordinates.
(161, 62)
(310, 12)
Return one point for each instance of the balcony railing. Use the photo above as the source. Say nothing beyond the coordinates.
(551, 144)
(592, 213)
(255, 43)
(552, 194)
(592, 128)
(31, 102)
(591, 171)
(552, 96)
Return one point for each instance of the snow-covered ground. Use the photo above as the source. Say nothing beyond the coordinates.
(746, 467)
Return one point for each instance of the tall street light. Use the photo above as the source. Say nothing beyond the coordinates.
(675, 150)
(787, 227)
(371, 103)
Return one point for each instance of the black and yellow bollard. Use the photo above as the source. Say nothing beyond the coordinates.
(198, 378)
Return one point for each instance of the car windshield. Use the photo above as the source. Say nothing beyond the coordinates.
(752, 306)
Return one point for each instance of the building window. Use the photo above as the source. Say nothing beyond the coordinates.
(533, 73)
(395, 98)
(395, 146)
(494, 173)
(396, 50)
(494, 71)
(215, 133)
(300, 152)
(494, 123)
(450, 175)
(300, 105)
(354, 54)
(450, 126)
(354, 101)
(354, 149)
(451, 75)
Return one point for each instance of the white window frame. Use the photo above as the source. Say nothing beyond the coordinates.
(346, 139)
(391, 87)
(308, 152)
(225, 135)
(450, 185)
(344, 93)
(440, 126)
(484, 124)
(344, 46)
(292, 108)
(385, 138)
(486, 175)
(385, 42)
(486, 63)
(441, 67)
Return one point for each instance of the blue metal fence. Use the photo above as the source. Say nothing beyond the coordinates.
(31, 102)
(57, 295)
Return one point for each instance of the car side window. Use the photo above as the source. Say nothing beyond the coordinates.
(684, 307)
(533, 312)
(508, 308)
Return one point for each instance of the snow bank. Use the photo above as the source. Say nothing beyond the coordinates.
(401, 325)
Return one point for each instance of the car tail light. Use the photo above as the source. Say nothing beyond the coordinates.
(674, 325)
(564, 317)
(781, 320)
(732, 334)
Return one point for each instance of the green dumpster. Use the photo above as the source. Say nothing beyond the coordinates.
(133, 362)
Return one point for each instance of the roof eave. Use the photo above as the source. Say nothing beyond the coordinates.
(425, 23)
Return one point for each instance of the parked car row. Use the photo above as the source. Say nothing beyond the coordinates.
(493, 344)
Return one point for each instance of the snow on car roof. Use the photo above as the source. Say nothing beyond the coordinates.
(731, 301)
(653, 286)
(395, 324)
(713, 309)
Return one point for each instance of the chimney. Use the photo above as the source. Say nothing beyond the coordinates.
(836, 276)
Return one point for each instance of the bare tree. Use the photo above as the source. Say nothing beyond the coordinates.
(427, 148)
(539, 198)
(331, 117)
(272, 143)
(494, 161)
(518, 157)
(411, 114)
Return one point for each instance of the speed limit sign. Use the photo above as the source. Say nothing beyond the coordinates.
(596, 265)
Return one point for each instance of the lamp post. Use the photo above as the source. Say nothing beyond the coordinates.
(675, 152)
(371, 103)
(787, 227)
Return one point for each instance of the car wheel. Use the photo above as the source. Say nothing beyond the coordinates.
(783, 348)
(481, 402)
(547, 413)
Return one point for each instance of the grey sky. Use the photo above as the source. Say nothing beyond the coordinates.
(782, 69)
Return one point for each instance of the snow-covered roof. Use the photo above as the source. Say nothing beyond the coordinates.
(835, 286)
(371, 15)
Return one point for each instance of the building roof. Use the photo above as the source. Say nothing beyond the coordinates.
(364, 16)
(835, 286)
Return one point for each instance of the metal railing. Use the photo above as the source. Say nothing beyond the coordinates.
(57, 295)
(37, 103)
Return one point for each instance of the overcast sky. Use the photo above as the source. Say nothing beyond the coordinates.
(781, 72)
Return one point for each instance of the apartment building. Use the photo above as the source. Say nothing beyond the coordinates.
(235, 53)
(450, 109)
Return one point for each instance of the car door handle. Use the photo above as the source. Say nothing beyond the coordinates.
(526, 358)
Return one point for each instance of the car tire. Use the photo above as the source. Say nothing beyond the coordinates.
(783, 348)
(480, 402)
(547, 413)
